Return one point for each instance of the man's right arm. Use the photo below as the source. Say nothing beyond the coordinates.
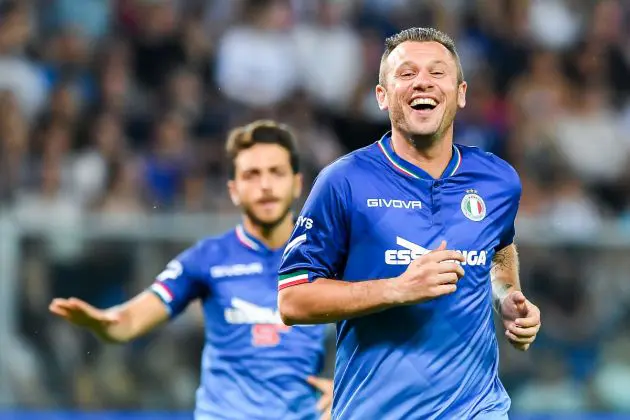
(119, 324)
(135, 318)
(325, 300)
(310, 291)
(172, 291)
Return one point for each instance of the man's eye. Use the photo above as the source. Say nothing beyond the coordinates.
(250, 175)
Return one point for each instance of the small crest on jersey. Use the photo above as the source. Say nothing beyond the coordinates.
(473, 206)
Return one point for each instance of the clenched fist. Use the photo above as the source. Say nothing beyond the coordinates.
(430, 276)
(521, 320)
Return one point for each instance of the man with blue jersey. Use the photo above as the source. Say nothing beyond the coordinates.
(415, 332)
(253, 366)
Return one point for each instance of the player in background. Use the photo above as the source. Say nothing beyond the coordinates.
(253, 366)
(415, 332)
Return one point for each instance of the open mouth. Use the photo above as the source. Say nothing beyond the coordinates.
(423, 104)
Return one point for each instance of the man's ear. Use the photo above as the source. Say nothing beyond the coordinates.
(381, 98)
(231, 186)
(461, 94)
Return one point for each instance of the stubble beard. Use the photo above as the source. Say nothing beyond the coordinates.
(422, 142)
(266, 226)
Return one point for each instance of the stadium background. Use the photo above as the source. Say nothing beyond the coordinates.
(112, 121)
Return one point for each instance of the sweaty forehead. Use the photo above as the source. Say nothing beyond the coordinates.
(419, 53)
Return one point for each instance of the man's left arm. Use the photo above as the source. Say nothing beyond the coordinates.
(520, 317)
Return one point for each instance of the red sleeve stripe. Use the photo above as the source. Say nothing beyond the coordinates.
(163, 292)
(292, 279)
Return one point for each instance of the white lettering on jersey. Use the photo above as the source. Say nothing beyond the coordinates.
(305, 222)
(396, 204)
(413, 251)
(404, 256)
(235, 270)
(243, 312)
(173, 270)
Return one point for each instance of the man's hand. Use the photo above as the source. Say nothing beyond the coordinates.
(521, 320)
(428, 277)
(84, 315)
(325, 387)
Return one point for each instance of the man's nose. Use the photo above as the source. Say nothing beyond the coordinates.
(266, 182)
(422, 81)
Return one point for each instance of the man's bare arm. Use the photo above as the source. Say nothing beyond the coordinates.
(118, 324)
(504, 274)
(138, 317)
(520, 317)
(322, 301)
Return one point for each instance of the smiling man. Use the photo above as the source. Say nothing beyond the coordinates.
(254, 367)
(415, 332)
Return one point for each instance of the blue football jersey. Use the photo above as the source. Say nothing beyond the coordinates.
(253, 366)
(368, 216)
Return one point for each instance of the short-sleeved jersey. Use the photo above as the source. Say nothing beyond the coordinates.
(368, 216)
(253, 366)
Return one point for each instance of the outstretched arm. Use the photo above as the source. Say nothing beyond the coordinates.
(118, 324)
(174, 288)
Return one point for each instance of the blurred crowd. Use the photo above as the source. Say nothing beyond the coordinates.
(122, 107)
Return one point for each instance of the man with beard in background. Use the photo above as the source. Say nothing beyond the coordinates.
(253, 366)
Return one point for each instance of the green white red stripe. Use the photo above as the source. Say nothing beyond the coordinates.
(291, 279)
(474, 206)
(457, 156)
(394, 163)
(162, 291)
(244, 239)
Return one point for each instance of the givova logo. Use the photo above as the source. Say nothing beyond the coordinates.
(235, 270)
(411, 251)
(396, 204)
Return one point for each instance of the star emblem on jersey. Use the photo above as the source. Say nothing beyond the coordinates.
(473, 206)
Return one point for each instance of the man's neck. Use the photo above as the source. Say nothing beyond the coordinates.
(432, 158)
(273, 238)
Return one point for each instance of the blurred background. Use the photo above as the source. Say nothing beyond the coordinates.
(113, 115)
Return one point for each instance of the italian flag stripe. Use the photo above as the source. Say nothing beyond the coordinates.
(393, 162)
(163, 292)
(292, 279)
(475, 207)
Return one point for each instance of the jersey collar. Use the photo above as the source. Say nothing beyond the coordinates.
(248, 241)
(409, 169)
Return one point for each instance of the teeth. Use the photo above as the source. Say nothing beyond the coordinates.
(423, 101)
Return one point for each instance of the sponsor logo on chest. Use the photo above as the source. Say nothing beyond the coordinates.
(409, 251)
(235, 270)
(244, 312)
(265, 324)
